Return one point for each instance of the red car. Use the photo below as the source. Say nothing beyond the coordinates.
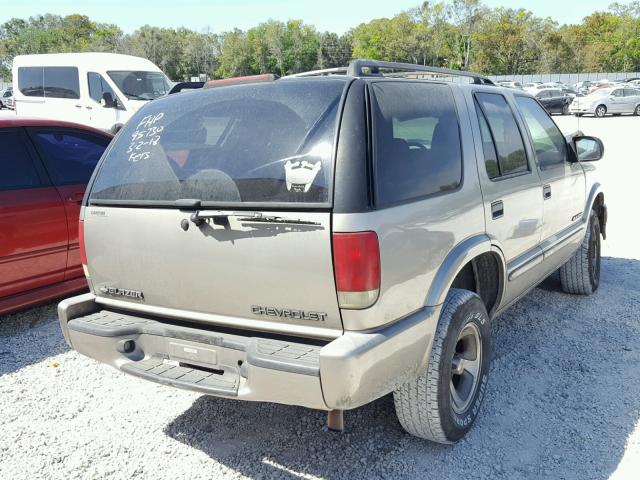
(44, 168)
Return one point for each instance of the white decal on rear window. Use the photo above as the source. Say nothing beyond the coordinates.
(300, 175)
(147, 134)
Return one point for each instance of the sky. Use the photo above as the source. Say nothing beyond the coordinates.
(222, 15)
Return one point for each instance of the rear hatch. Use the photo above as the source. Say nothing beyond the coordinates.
(215, 206)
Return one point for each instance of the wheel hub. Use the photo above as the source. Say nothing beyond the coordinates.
(465, 368)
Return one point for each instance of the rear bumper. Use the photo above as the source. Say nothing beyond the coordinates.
(348, 372)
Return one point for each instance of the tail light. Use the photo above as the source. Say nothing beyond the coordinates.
(83, 251)
(356, 265)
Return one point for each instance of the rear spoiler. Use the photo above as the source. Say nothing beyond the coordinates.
(267, 77)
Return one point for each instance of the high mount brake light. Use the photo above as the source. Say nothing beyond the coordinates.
(356, 264)
(267, 77)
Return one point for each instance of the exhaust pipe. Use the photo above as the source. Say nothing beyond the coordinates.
(335, 420)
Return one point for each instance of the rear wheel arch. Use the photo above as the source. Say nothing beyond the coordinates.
(476, 265)
(484, 276)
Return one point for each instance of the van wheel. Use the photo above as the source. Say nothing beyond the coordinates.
(581, 273)
(443, 402)
(116, 128)
(601, 111)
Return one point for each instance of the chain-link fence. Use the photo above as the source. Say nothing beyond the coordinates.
(568, 78)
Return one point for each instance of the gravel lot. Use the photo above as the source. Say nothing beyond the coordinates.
(563, 402)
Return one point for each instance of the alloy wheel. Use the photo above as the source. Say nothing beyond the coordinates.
(465, 368)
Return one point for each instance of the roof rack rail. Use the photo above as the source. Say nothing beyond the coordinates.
(359, 67)
(324, 71)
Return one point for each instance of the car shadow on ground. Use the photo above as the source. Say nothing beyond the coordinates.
(29, 336)
(564, 397)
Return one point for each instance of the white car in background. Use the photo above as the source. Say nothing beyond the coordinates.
(102, 90)
(5, 95)
(614, 101)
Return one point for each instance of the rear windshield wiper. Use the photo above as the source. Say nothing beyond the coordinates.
(222, 218)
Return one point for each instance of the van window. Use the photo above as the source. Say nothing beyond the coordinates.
(417, 144)
(16, 166)
(49, 82)
(98, 86)
(505, 132)
(256, 143)
(69, 156)
(61, 82)
(31, 81)
(140, 85)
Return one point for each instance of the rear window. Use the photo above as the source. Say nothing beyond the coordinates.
(417, 147)
(259, 143)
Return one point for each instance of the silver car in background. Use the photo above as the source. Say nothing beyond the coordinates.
(615, 101)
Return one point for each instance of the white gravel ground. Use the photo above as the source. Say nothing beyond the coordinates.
(563, 402)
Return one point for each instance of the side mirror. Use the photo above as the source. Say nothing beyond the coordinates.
(108, 100)
(588, 149)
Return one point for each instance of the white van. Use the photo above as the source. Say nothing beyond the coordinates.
(102, 90)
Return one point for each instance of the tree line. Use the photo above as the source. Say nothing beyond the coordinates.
(459, 34)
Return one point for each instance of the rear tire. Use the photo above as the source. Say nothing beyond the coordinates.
(581, 274)
(636, 112)
(601, 111)
(444, 401)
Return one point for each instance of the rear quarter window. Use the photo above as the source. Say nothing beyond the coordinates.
(417, 141)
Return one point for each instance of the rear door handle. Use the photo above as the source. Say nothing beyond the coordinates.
(497, 209)
(546, 192)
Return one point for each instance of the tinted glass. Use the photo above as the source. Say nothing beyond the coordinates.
(69, 157)
(505, 132)
(617, 93)
(417, 142)
(548, 142)
(98, 86)
(631, 92)
(61, 82)
(488, 147)
(263, 142)
(140, 85)
(16, 166)
(30, 81)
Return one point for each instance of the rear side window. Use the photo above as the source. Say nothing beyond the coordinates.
(16, 166)
(49, 82)
(31, 81)
(70, 157)
(549, 143)
(505, 134)
(417, 141)
(256, 143)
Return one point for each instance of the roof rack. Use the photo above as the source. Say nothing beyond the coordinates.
(363, 68)
(324, 71)
(371, 68)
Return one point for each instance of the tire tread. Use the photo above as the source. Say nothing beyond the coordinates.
(416, 403)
